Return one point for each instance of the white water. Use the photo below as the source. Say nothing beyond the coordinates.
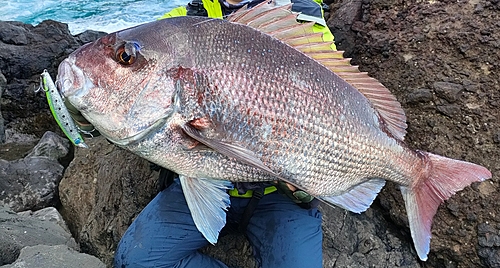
(80, 15)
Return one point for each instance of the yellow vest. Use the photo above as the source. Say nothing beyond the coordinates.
(214, 10)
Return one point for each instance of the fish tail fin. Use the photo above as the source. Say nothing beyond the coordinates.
(441, 179)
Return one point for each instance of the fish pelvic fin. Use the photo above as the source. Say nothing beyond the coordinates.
(208, 201)
(359, 198)
(443, 178)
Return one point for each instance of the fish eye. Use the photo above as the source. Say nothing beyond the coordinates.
(126, 54)
(123, 57)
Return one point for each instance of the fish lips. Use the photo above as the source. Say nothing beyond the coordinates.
(74, 85)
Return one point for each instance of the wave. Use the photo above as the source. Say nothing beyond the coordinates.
(82, 15)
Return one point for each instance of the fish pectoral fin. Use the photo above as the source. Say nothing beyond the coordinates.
(230, 150)
(359, 198)
(208, 201)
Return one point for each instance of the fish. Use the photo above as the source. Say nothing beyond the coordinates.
(59, 110)
(257, 97)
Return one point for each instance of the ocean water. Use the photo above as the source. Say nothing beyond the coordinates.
(81, 15)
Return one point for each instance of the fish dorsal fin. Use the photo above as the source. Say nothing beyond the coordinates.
(281, 23)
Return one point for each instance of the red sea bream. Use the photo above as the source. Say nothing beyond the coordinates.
(257, 98)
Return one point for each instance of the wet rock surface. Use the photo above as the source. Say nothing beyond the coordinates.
(18, 231)
(58, 256)
(103, 189)
(25, 51)
(441, 60)
(30, 183)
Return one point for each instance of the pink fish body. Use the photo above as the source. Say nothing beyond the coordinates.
(220, 101)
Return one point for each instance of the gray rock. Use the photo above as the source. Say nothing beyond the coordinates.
(51, 146)
(448, 91)
(59, 256)
(103, 189)
(25, 51)
(496, 137)
(89, 36)
(17, 232)
(450, 110)
(46, 214)
(343, 16)
(489, 240)
(30, 183)
(363, 240)
(419, 95)
(13, 34)
(3, 82)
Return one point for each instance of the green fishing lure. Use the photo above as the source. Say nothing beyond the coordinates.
(59, 110)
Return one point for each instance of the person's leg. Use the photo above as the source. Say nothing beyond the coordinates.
(284, 234)
(164, 235)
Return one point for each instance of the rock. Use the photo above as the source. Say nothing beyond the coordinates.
(51, 146)
(17, 232)
(496, 137)
(450, 110)
(102, 190)
(448, 91)
(419, 95)
(89, 36)
(42, 47)
(49, 41)
(3, 82)
(59, 256)
(31, 183)
(417, 28)
(489, 240)
(470, 86)
(25, 51)
(13, 34)
(46, 214)
(343, 16)
(364, 240)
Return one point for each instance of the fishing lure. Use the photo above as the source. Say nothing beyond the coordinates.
(59, 110)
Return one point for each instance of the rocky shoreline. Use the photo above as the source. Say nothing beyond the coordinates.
(440, 59)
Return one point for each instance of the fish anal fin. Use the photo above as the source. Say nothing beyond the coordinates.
(441, 179)
(208, 201)
(359, 198)
(234, 151)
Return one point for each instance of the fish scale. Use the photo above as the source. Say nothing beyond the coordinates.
(222, 100)
(219, 101)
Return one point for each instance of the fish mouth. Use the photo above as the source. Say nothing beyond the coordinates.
(71, 81)
(75, 87)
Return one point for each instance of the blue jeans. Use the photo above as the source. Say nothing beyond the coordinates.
(164, 235)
